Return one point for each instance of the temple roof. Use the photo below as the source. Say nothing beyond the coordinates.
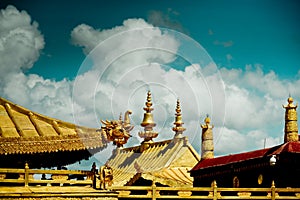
(229, 159)
(23, 131)
(290, 147)
(166, 162)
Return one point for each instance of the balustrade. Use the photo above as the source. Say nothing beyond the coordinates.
(25, 177)
(66, 178)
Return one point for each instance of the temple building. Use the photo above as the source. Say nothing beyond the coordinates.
(44, 142)
(166, 162)
(259, 168)
(41, 141)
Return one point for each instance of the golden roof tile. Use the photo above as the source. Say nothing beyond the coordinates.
(161, 161)
(23, 131)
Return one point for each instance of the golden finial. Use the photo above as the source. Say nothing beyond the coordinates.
(148, 103)
(290, 100)
(148, 122)
(207, 120)
(178, 109)
(207, 123)
(207, 147)
(178, 121)
(291, 124)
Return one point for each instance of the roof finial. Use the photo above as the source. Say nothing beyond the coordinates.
(207, 139)
(207, 119)
(148, 103)
(291, 126)
(178, 122)
(148, 122)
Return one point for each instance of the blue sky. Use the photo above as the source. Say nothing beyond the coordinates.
(234, 33)
(251, 51)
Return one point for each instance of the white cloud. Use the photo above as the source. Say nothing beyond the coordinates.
(20, 46)
(229, 141)
(122, 57)
(20, 42)
(41, 95)
(131, 61)
(255, 79)
(251, 105)
(136, 33)
(254, 98)
(262, 139)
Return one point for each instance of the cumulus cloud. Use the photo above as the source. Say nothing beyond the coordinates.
(121, 51)
(132, 61)
(20, 41)
(136, 33)
(261, 83)
(41, 95)
(245, 104)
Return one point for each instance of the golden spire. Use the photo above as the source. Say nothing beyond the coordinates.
(207, 139)
(148, 122)
(291, 126)
(178, 122)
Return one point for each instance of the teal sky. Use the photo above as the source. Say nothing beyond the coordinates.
(234, 33)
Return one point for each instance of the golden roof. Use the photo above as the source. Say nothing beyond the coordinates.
(166, 162)
(25, 132)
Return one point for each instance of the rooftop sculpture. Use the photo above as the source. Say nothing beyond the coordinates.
(118, 131)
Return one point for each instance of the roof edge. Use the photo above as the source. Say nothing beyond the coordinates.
(48, 119)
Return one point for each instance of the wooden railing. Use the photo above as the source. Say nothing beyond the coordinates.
(25, 177)
(153, 192)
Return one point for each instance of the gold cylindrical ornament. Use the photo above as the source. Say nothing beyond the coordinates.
(292, 137)
(207, 149)
(291, 126)
(208, 145)
(207, 135)
(207, 155)
(291, 114)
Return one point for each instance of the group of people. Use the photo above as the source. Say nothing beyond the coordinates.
(101, 178)
(104, 177)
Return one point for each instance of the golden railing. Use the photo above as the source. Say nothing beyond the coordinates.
(153, 192)
(62, 178)
(58, 177)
